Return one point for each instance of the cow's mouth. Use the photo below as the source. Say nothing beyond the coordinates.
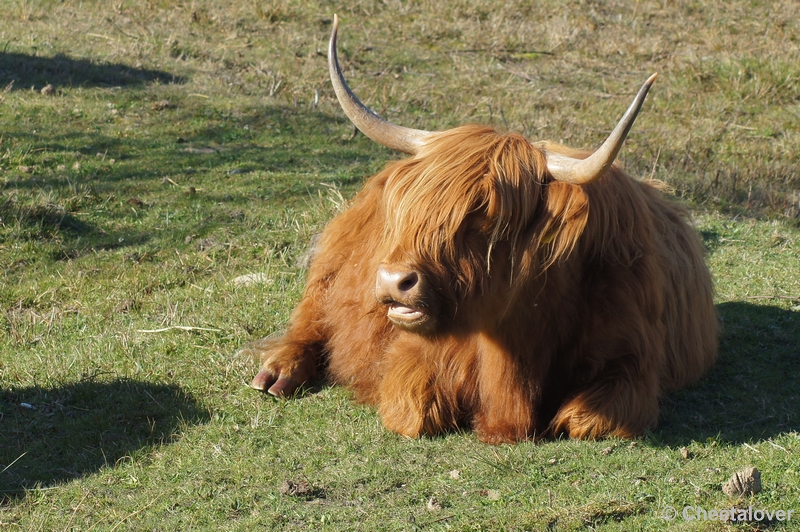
(404, 314)
(413, 319)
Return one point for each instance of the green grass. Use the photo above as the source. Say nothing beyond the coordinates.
(183, 148)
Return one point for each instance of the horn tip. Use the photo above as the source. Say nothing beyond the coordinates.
(334, 34)
(651, 79)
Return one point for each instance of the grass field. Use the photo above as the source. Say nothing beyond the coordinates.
(153, 152)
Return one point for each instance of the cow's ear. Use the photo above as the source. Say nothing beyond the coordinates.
(566, 213)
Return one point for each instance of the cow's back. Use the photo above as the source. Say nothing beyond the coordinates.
(689, 314)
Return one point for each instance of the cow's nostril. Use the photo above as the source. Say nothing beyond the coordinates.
(399, 284)
(408, 282)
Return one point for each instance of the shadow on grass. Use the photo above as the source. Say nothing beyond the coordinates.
(48, 436)
(71, 236)
(752, 393)
(275, 139)
(270, 155)
(711, 240)
(23, 71)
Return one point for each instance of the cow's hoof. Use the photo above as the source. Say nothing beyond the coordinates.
(284, 387)
(495, 437)
(266, 381)
(263, 380)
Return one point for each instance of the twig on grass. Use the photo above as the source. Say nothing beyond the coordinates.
(439, 520)
(491, 51)
(134, 37)
(779, 447)
(737, 427)
(14, 462)
(100, 36)
(178, 327)
(140, 510)
(522, 75)
(790, 298)
(751, 447)
(75, 510)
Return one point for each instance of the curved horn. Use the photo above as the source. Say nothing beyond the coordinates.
(398, 138)
(584, 171)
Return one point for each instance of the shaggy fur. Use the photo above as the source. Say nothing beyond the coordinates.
(559, 308)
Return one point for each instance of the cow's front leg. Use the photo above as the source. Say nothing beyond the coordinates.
(410, 400)
(289, 361)
(504, 412)
(504, 421)
(405, 396)
(616, 403)
(285, 365)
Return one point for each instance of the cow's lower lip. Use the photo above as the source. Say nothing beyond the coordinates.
(404, 315)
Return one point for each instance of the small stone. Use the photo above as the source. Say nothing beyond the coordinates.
(300, 488)
(200, 151)
(208, 244)
(126, 305)
(455, 474)
(304, 261)
(433, 505)
(607, 451)
(48, 90)
(251, 279)
(685, 453)
(493, 495)
(744, 482)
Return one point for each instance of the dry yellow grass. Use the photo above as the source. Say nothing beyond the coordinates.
(722, 123)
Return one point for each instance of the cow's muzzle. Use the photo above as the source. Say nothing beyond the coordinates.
(407, 296)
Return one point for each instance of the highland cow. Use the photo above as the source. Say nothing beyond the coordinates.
(518, 289)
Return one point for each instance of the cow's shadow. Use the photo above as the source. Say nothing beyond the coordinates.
(752, 393)
(20, 71)
(52, 435)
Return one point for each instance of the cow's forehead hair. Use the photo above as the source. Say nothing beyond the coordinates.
(468, 170)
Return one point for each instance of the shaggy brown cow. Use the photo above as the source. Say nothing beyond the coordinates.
(520, 289)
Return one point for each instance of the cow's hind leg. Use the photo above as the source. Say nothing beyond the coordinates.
(616, 403)
(289, 361)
